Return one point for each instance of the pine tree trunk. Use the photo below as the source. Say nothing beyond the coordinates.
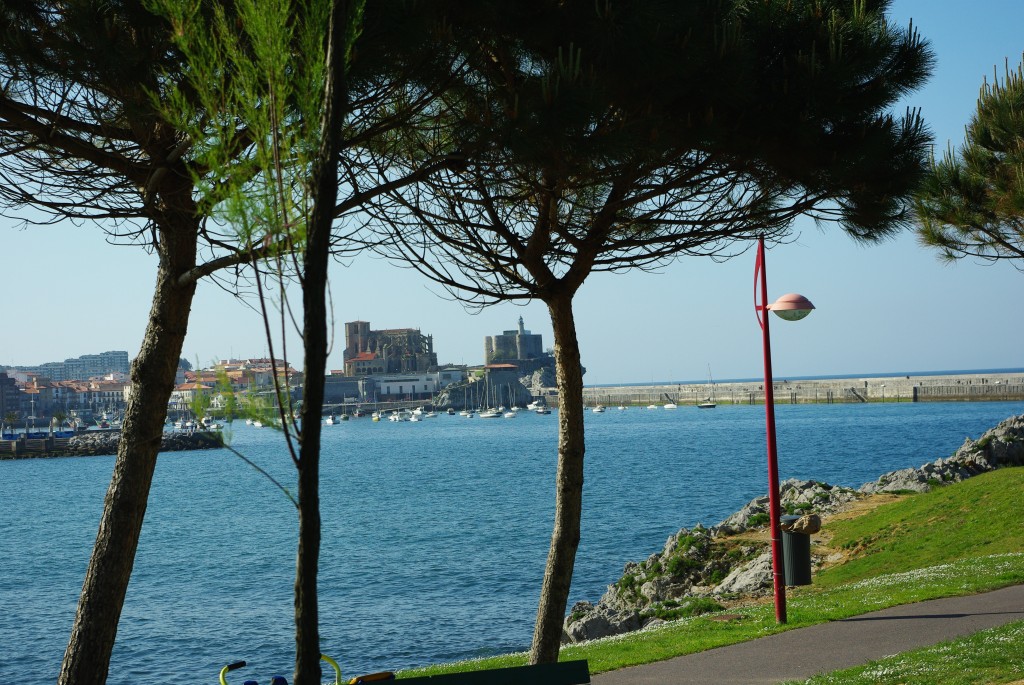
(315, 342)
(565, 538)
(87, 658)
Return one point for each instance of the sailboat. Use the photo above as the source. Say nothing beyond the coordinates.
(708, 403)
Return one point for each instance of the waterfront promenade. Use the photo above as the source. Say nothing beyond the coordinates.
(957, 388)
(805, 652)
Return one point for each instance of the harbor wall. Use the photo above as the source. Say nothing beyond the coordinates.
(98, 442)
(939, 388)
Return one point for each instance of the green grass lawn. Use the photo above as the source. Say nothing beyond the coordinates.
(978, 517)
(956, 540)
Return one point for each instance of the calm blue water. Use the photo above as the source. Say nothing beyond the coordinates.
(435, 533)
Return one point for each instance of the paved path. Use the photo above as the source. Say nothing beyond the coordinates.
(802, 653)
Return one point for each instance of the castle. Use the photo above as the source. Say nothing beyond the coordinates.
(519, 347)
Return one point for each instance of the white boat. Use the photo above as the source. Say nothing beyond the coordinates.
(511, 414)
(542, 410)
(415, 417)
(257, 424)
(708, 403)
(599, 409)
(671, 405)
(330, 421)
(490, 414)
(430, 415)
(652, 406)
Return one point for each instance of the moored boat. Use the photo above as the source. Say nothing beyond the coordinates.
(709, 403)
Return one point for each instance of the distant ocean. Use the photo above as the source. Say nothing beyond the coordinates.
(838, 376)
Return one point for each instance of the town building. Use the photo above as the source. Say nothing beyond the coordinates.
(408, 386)
(10, 397)
(82, 368)
(393, 350)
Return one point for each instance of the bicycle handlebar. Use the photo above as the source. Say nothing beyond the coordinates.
(229, 667)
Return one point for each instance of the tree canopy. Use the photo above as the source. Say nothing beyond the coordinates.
(971, 204)
(615, 136)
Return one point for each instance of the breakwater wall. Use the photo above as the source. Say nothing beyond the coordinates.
(957, 388)
(102, 442)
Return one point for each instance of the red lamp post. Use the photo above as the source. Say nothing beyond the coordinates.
(791, 307)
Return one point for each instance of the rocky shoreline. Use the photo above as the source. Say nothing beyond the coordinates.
(702, 570)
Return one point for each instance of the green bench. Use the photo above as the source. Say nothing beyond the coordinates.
(562, 673)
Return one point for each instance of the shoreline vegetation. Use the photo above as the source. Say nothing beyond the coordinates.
(947, 528)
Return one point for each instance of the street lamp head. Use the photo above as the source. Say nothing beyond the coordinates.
(792, 307)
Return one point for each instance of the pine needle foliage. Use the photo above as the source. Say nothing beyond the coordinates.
(610, 136)
(972, 201)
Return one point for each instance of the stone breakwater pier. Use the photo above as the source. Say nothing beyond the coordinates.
(102, 442)
(939, 388)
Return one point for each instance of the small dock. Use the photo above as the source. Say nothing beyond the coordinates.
(29, 447)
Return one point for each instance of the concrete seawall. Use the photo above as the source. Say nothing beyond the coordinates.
(956, 388)
(93, 443)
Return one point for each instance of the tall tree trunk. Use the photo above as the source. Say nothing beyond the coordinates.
(314, 305)
(87, 658)
(565, 538)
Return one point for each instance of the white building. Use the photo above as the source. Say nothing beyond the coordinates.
(416, 385)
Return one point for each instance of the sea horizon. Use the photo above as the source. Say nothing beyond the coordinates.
(836, 376)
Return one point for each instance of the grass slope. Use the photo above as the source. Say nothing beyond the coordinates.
(956, 540)
(978, 517)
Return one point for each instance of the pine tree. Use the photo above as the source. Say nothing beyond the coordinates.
(624, 135)
(972, 204)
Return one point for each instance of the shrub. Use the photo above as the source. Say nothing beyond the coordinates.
(686, 542)
(757, 520)
(690, 607)
(679, 565)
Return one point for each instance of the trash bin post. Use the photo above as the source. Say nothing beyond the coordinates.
(796, 553)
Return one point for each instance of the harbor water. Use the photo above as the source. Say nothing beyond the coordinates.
(435, 532)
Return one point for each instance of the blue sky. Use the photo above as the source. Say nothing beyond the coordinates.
(891, 307)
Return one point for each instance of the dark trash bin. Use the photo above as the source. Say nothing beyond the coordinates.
(796, 554)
